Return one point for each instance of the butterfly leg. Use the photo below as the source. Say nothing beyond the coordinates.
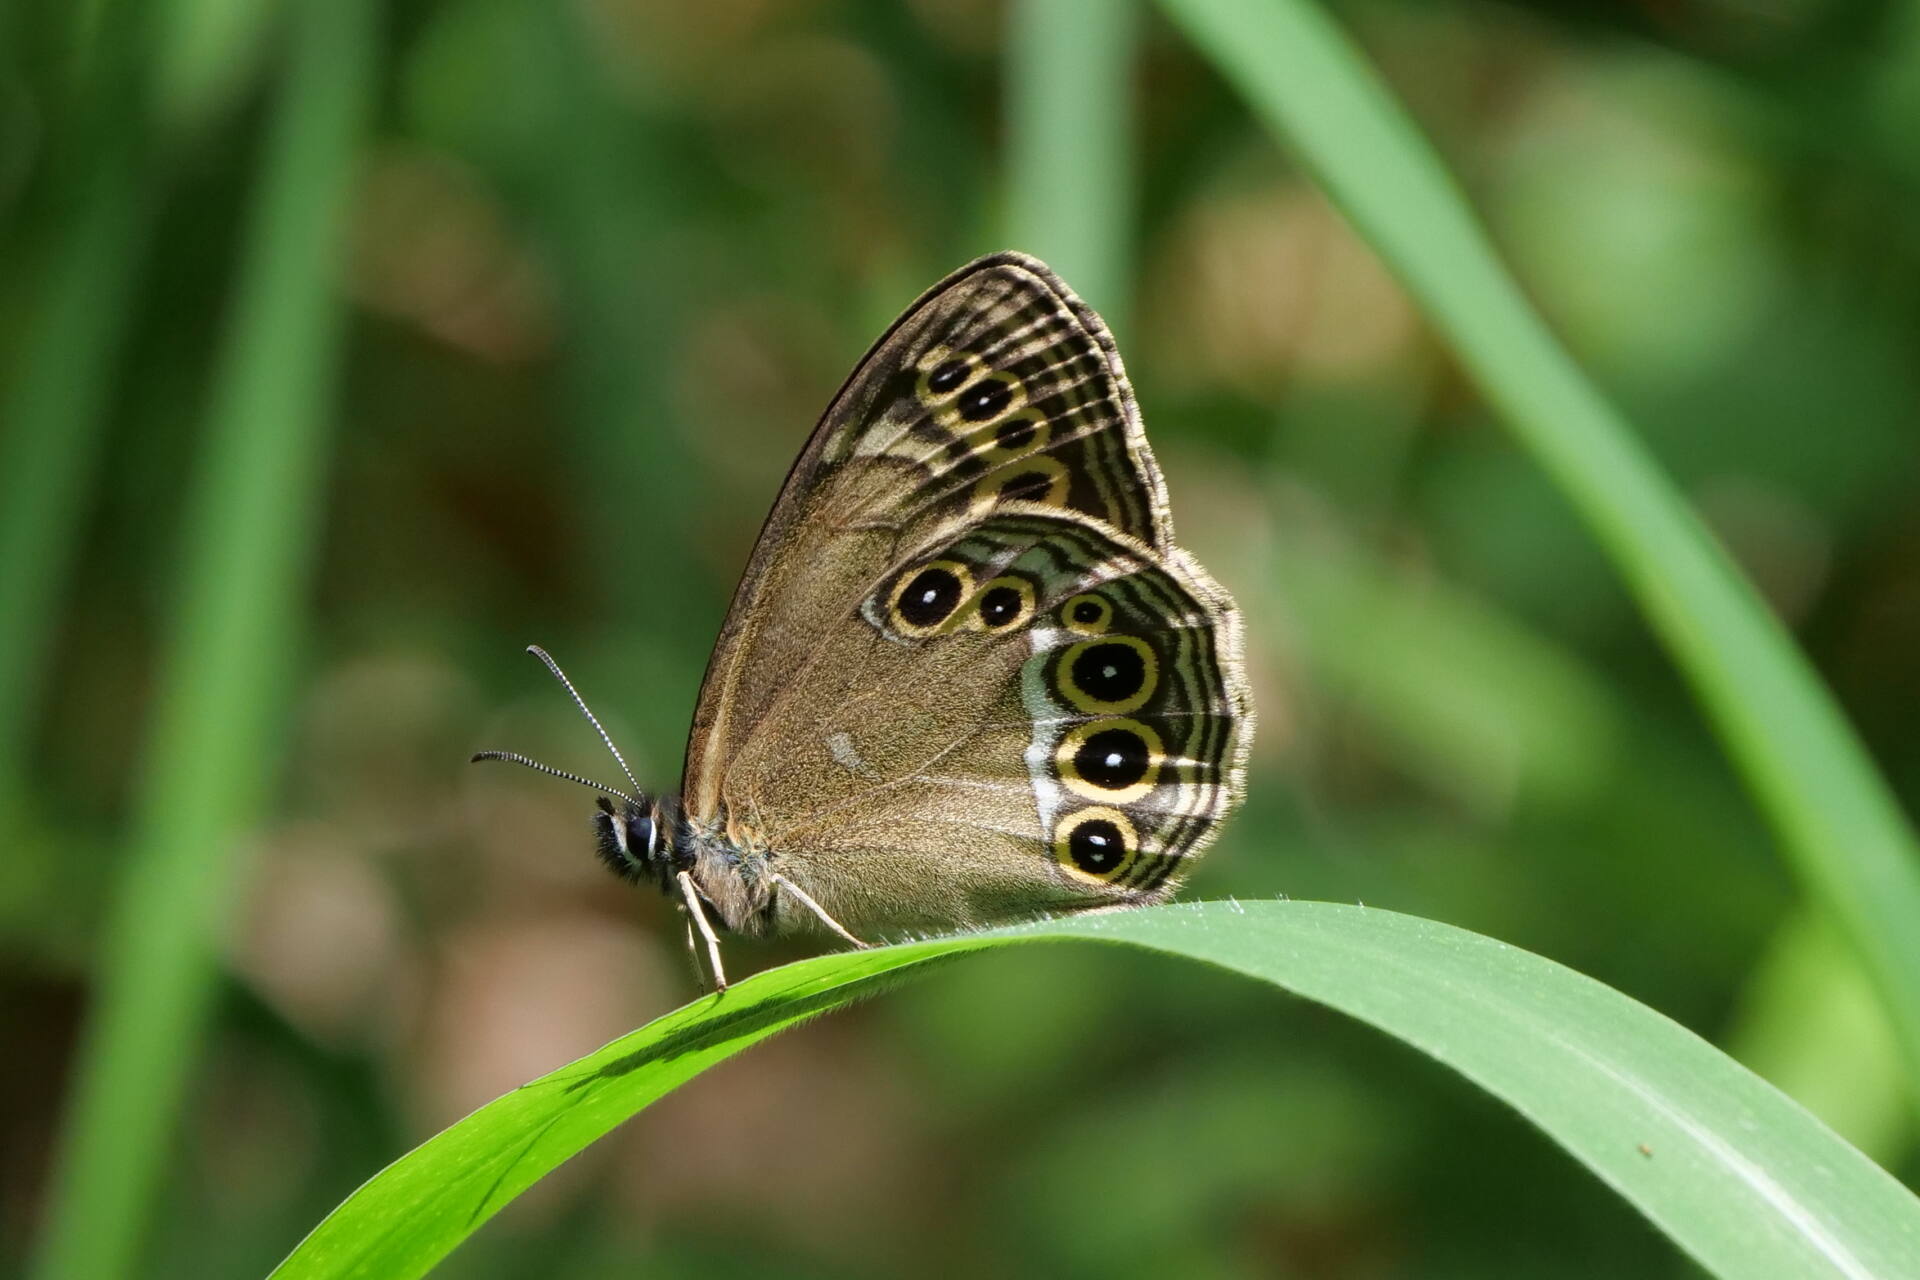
(807, 902)
(697, 918)
(697, 961)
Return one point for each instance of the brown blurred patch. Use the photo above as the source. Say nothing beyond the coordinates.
(1258, 286)
(432, 246)
(512, 999)
(788, 1137)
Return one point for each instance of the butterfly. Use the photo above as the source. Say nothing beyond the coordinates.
(967, 677)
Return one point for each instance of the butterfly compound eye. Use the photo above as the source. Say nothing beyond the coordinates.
(625, 838)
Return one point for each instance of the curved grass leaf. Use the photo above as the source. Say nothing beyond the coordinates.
(1837, 820)
(1738, 1175)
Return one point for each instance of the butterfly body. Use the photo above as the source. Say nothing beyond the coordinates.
(967, 676)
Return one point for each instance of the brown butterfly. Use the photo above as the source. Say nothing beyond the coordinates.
(967, 676)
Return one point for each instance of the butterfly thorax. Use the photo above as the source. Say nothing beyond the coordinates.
(652, 840)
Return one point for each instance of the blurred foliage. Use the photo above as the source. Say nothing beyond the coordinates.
(607, 260)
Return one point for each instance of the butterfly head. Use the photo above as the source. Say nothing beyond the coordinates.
(636, 837)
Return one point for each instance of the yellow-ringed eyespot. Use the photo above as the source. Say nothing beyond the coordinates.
(1109, 675)
(1003, 604)
(926, 597)
(987, 399)
(1014, 436)
(1086, 614)
(942, 373)
(1037, 479)
(1113, 759)
(1096, 843)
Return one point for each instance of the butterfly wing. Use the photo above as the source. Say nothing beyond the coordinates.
(1031, 712)
(998, 385)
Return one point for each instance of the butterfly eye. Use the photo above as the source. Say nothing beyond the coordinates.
(627, 839)
(1089, 615)
(1114, 760)
(928, 596)
(1098, 843)
(1109, 675)
(1005, 603)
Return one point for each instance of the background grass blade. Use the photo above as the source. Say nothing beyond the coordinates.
(1839, 824)
(1739, 1176)
(55, 405)
(250, 535)
(1069, 186)
(55, 412)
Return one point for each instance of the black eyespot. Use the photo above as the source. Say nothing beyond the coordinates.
(1032, 486)
(999, 606)
(1111, 672)
(1113, 759)
(985, 399)
(1097, 846)
(931, 596)
(1087, 612)
(945, 377)
(1015, 433)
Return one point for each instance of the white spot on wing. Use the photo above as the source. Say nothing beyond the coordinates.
(840, 746)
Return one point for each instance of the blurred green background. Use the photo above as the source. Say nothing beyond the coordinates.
(347, 348)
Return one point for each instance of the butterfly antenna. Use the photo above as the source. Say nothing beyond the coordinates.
(592, 719)
(514, 757)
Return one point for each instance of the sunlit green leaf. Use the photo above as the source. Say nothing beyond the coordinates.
(1739, 1176)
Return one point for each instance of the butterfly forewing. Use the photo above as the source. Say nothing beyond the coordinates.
(998, 385)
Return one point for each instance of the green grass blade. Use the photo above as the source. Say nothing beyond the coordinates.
(55, 415)
(1069, 142)
(1738, 1175)
(1839, 824)
(54, 408)
(209, 759)
(208, 51)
